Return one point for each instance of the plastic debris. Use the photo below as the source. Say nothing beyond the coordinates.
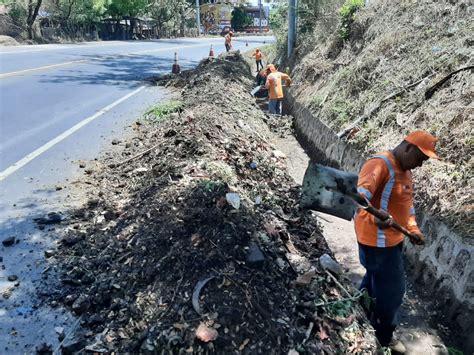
(233, 199)
(206, 334)
(330, 264)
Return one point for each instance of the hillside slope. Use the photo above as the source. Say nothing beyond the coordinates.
(397, 52)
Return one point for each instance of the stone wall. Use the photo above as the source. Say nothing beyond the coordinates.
(443, 269)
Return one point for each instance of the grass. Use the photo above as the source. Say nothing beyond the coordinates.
(160, 111)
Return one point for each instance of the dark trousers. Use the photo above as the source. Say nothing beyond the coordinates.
(385, 282)
(259, 64)
(227, 47)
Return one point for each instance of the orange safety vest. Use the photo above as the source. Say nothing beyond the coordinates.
(387, 187)
(273, 84)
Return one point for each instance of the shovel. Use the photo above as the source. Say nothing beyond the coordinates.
(334, 192)
(256, 89)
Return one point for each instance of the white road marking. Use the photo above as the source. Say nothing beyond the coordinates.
(20, 72)
(53, 47)
(22, 162)
(107, 57)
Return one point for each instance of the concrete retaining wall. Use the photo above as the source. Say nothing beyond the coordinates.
(443, 268)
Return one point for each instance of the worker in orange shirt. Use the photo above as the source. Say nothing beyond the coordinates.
(258, 58)
(228, 41)
(275, 89)
(385, 181)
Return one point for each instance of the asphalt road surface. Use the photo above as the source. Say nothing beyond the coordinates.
(59, 105)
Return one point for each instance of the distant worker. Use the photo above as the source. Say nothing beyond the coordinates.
(385, 181)
(228, 41)
(261, 77)
(258, 58)
(275, 89)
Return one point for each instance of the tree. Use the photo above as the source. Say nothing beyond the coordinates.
(33, 9)
(240, 19)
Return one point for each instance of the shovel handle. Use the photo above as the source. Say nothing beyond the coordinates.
(382, 215)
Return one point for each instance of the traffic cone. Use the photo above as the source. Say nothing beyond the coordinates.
(211, 52)
(175, 69)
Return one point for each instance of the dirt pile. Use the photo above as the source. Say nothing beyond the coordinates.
(192, 240)
(388, 69)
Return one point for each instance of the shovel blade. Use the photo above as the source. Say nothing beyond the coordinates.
(255, 90)
(323, 191)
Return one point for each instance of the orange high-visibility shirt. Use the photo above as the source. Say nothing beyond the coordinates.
(257, 55)
(387, 187)
(273, 84)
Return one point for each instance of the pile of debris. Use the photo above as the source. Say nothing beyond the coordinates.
(192, 240)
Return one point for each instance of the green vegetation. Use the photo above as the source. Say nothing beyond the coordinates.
(210, 185)
(340, 308)
(279, 23)
(309, 12)
(240, 19)
(347, 12)
(70, 14)
(159, 112)
(342, 110)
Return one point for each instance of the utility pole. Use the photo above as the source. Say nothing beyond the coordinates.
(198, 18)
(260, 15)
(291, 26)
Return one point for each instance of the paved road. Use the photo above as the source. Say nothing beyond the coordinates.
(61, 104)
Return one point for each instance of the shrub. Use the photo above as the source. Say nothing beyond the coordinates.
(347, 12)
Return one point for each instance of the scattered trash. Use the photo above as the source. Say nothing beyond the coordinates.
(330, 264)
(60, 332)
(48, 254)
(255, 256)
(281, 263)
(196, 293)
(206, 334)
(44, 349)
(9, 241)
(305, 279)
(233, 199)
(298, 262)
(258, 200)
(51, 218)
(253, 165)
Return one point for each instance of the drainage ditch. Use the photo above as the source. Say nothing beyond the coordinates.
(443, 270)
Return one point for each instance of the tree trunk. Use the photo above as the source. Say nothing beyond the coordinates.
(181, 24)
(33, 9)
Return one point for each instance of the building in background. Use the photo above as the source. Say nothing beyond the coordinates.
(216, 16)
(254, 12)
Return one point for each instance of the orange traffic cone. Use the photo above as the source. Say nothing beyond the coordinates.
(211, 52)
(175, 69)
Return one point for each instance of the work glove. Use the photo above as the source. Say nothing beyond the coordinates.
(384, 223)
(417, 238)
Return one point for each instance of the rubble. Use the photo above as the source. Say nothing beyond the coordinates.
(182, 268)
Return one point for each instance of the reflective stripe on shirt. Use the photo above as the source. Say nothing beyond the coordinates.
(387, 191)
